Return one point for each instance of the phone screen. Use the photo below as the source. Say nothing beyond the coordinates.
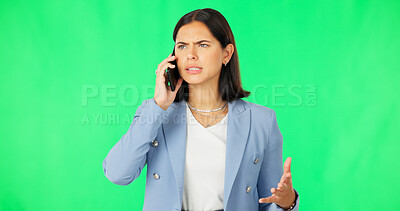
(172, 74)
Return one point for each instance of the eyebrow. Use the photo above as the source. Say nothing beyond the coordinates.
(200, 41)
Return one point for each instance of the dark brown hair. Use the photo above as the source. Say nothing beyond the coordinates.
(230, 85)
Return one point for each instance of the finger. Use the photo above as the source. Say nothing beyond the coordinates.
(161, 69)
(270, 199)
(277, 192)
(288, 179)
(286, 166)
(167, 60)
(282, 187)
(164, 62)
(284, 176)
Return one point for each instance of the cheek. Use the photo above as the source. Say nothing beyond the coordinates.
(212, 61)
(181, 66)
(214, 58)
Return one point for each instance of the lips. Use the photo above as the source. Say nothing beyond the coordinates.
(193, 69)
(192, 66)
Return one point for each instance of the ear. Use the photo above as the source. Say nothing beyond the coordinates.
(228, 52)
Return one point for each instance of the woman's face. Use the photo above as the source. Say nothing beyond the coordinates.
(197, 47)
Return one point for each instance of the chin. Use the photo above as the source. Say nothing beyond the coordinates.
(194, 81)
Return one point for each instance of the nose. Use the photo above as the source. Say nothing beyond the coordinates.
(192, 54)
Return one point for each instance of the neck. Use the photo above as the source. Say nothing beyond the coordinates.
(205, 96)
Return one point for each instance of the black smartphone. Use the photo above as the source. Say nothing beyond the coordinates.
(172, 74)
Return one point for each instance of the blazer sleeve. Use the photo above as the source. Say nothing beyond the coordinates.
(272, 166)
(126, 159)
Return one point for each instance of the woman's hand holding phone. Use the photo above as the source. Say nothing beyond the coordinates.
(163, 95)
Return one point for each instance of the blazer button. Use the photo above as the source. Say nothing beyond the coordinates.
(154, 143)
(156, 176)
(256, 160)
(248, 189)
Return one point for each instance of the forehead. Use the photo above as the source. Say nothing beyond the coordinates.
(194, 31)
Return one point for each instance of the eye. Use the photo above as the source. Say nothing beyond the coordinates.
(179, 47)
(205, 45)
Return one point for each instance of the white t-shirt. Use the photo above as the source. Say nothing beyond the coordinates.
(204, 165)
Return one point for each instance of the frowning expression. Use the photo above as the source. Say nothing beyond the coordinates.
(198, 53)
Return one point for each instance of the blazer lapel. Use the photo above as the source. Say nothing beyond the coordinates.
(175, 140)
(237, 135)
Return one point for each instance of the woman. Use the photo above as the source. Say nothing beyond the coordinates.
(205, 148)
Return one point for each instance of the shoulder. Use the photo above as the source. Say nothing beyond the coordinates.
(262, 118)
(258, 111)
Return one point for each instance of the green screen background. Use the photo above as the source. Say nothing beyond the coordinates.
(74, 72)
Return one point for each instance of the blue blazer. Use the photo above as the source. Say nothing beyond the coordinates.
(158, 138)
